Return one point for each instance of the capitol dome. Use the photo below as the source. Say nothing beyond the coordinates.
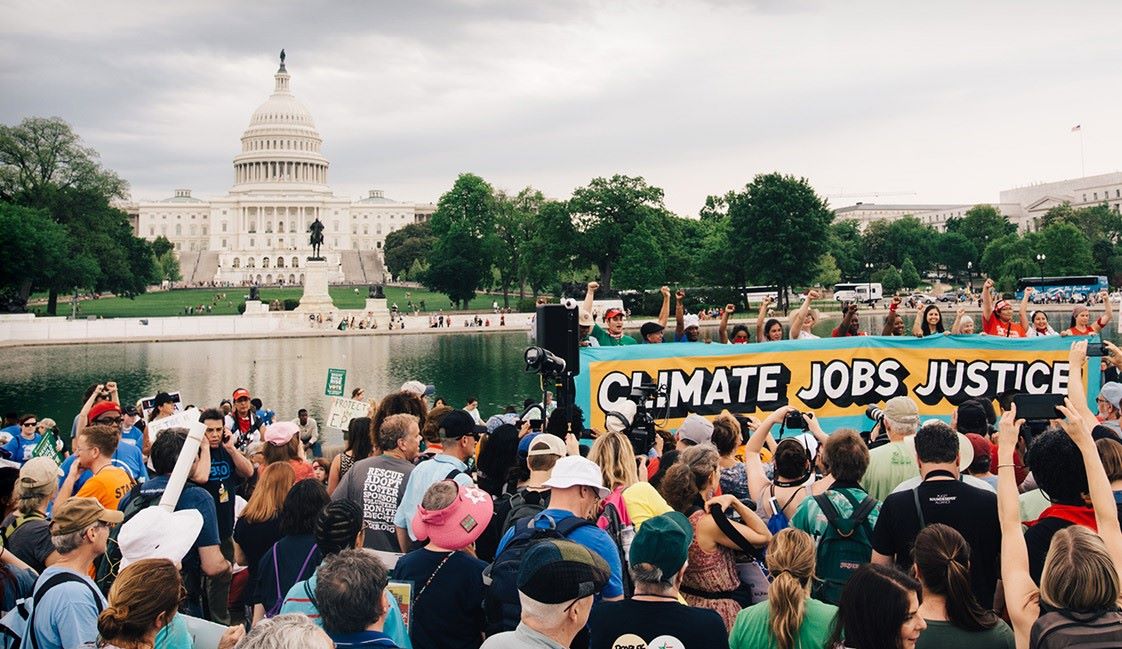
(281, 148)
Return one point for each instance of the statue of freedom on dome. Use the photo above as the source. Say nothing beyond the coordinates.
(316, 228)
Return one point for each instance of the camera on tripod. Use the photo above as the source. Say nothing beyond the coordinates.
(641, 433)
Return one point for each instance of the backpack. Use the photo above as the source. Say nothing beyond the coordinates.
(18, 522)
(844, 547)
(521, 508)
(1097, 630)
(21, 618)
(501, 608)
(108, 564)
(615, 521)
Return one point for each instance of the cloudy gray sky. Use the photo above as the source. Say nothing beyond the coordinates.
(953, 101)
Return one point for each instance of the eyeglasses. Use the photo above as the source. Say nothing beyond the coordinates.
(109, 421)
(29, 424)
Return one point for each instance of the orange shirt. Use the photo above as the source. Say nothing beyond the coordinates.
(995, 327)
(108, 485)
(1076, 331)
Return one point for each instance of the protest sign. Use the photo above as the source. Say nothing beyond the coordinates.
(188, 419)
(336, 379)
(344, 410)
(48, 446)
(836, 378)
(403, 592)
(148, 403)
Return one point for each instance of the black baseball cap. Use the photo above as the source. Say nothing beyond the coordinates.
(649, 328)
(459, 423)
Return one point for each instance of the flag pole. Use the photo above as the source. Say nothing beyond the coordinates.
(1082, 158)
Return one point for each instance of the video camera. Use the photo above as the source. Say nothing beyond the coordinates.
(641, 433)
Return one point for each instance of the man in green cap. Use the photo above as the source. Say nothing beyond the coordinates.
(658, 561)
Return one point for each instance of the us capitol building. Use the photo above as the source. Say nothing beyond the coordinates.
(258, 232)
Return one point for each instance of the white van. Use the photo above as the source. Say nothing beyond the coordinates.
(864, 292)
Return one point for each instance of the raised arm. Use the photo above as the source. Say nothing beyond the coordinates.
(987, 300)
(761, 317)
(1078, 423)
(589, 296)
(1020, 591)
(1102, 321)
(757, 477)
(664, 312)
(679, 313)
(959, 314)
(917, 324)
(1076, 357)
(723, 329)
(1024, 308)
(85, 411)
(800, 315)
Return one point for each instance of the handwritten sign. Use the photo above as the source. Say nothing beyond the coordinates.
(344, 410)
(188, 419)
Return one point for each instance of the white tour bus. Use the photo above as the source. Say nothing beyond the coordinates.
(865, 292)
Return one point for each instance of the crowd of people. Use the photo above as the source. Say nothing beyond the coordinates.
(438, 527)
(998, 319)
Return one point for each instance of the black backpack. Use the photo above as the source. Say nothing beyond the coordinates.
(521, 508)
(501, 607)
(108, 565)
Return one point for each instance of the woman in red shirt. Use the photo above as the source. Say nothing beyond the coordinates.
(1081, 324)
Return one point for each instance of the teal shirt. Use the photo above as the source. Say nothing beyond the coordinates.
(944, 634)
(753, 631)
(810, 519)
(297, 601)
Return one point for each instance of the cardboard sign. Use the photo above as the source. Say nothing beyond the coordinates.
(402, 591)
(836, 378)
(344, 410)
(188, 419)
(336, 379)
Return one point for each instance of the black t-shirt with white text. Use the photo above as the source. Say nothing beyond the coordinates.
(222, 486)
(970, 510)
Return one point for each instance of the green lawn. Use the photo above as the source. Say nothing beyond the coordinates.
(172, 303)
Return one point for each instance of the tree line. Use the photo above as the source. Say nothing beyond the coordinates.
(775, 231)
(59, 231)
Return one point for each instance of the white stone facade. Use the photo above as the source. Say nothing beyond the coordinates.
(258, 232)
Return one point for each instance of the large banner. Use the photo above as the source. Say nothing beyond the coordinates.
(836, 378)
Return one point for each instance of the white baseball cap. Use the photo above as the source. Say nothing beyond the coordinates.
(690, 320)
(156, 533)
(418, 388)
(576, 471)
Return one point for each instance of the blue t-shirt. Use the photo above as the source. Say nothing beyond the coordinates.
(425, 475)
(133, 437)
(127, 458)
(20, 448)
(591, 537)
(193, 497)
(66, 616)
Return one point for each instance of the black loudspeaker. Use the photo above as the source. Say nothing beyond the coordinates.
(557, 332)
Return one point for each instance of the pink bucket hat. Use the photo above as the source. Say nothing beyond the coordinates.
(459, 524)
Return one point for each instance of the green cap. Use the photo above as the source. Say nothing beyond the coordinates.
(664, 542)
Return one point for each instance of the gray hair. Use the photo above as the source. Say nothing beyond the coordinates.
(546, 616)
(903, 429)
(67, 543)
(440, 495)
(349, 588)
(288, 631)
(395, 428)
(646, 573)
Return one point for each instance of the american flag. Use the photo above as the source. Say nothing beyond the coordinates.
(1077, 127)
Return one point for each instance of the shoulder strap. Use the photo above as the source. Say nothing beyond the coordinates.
(729, 530)
(570, 524)
(452, 474)
(55, 580)
(310, 594)
(791, 499)
(919, 510)
(828, 510)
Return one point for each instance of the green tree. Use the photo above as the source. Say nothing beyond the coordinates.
(605, 213)
(981, 224)
(828, 271)
(167, 266)
(889, 279)
(161, 246)
(780, 226)
(514, 228)
(29, 243)
(1097, 223)
(464, 249)
(909, 276)
(891, 242)
(405, 247)
(1067, 249)
(958, 254)
(43, 164)
(846, 247)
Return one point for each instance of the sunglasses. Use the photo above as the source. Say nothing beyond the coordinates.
(108, 421)
(29, 424)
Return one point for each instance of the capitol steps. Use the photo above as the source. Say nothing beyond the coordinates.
(206, 267)
(352, 267)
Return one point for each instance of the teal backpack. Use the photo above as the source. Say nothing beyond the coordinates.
(844, 547)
